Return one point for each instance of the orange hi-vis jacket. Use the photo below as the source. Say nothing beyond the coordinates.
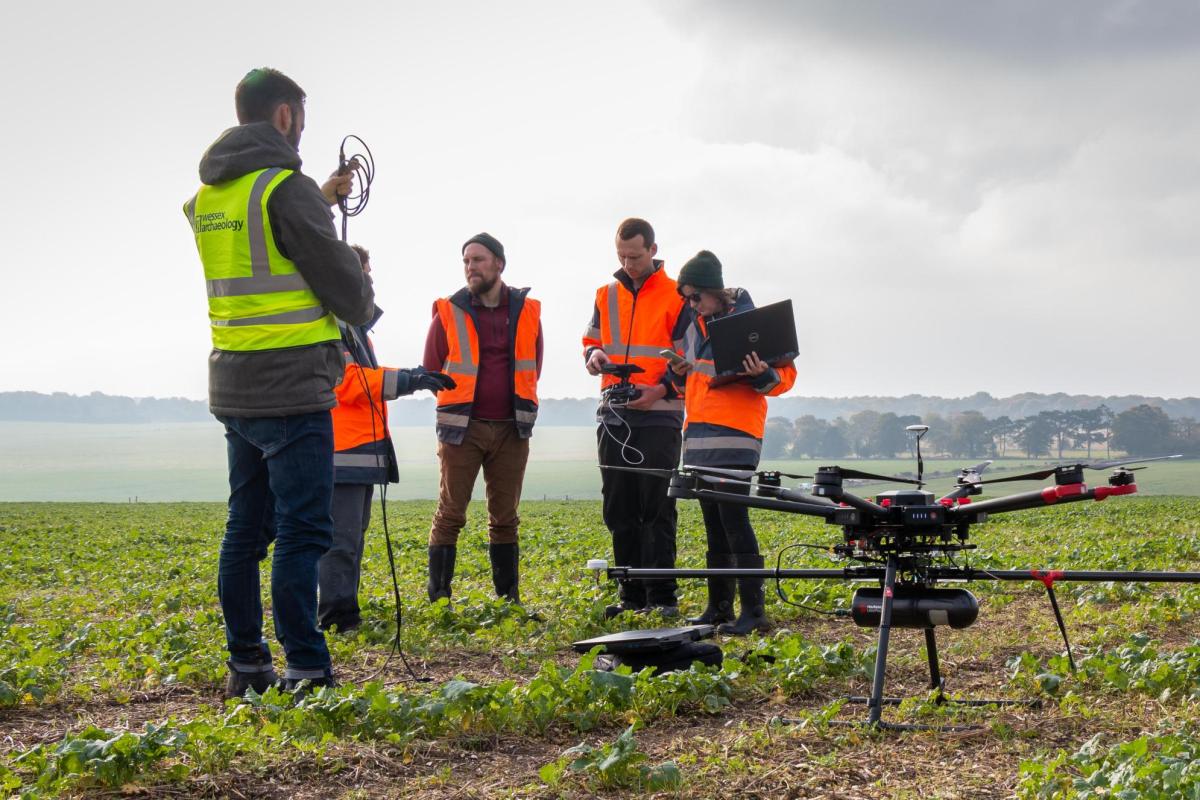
(725, 423)
(462, 362)
(633, 327)
(363, 451)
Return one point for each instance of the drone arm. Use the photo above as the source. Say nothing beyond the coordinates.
(1068, 493)
(837, 494)
(770, 503)
(798, 496)
(1053, 576)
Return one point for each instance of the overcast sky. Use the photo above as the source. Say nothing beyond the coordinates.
(995, 196)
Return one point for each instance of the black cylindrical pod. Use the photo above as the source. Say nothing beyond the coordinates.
(916, 607)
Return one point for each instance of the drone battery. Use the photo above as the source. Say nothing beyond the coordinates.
(923, 516)
(916, 607)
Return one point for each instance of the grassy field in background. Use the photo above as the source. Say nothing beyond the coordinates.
(186, 461)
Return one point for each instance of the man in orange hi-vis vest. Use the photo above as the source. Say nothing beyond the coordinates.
(487, 336)
(635, 317)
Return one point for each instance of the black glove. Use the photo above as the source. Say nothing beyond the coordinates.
(421, 378)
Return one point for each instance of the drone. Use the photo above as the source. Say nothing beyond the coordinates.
(906, 541)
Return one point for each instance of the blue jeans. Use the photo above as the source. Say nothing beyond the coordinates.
(280, 483)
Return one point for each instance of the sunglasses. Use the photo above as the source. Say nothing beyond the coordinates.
(694, 297)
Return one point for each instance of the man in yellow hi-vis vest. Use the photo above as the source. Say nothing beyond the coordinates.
(276, 276)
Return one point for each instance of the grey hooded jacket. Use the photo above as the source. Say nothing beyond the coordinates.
(293, 380)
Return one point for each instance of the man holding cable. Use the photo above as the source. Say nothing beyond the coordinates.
(277, 279)
(634, 318)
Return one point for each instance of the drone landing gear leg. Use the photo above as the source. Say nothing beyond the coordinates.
(875, 703)
(938, 683)
(935, 675)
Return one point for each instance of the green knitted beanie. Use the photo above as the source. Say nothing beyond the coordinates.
(703, 271)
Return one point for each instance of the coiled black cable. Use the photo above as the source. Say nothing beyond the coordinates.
(362, 165)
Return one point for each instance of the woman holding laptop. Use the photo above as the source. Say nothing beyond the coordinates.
(725, 419)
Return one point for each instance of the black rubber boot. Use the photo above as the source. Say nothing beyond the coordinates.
(720, 593)
(441, 570)
(753, 616)
(236, 683)
(631, 597)
(505, 573)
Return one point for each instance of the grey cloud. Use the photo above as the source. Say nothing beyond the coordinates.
(1025, 29)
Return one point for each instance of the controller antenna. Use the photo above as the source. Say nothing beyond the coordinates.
(919, 430)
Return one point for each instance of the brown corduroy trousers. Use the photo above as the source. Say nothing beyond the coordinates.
(496, 447)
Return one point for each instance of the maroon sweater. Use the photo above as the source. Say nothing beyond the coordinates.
(493, 385)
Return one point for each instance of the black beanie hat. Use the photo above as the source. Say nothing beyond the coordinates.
(703, 271)
(488, 241)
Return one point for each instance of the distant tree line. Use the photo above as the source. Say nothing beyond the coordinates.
(98, 407)
(1141, 430)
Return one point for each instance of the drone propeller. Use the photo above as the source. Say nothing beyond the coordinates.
(870, 476)
(744, 474)
(1122, 461)
(1099, 465)
(977, 469)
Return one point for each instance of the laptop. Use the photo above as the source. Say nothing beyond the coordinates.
(767, 330)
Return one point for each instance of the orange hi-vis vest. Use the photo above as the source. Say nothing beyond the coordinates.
(462, 362)
(634, 327)
(363, 451)
(725, 423)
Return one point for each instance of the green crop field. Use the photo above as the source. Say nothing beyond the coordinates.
(111, 664)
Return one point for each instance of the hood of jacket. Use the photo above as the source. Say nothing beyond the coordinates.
(244, 149)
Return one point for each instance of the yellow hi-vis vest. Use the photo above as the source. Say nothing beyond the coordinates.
(257, 300)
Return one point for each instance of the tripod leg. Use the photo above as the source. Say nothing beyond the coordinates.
(875, 704)
(935, 674)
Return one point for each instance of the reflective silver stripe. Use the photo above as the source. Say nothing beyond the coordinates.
(525, 364)
(464, 342)
(302, 674)
(691, 346)
(260, 263)
(453, 420)
(391, 379)
(614, 315)
(524, 416)
(666, 405)
(705, 368)
(256, 284)
(722, 443)
(591, 333)
(360, 460)
(286, 318)
(459, 368)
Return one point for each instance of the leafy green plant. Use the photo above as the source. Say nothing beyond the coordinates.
(617, 765)
(1155, 767)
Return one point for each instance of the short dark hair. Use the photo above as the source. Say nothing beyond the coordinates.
(635, 226)
(262, 91)
(364, 255)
